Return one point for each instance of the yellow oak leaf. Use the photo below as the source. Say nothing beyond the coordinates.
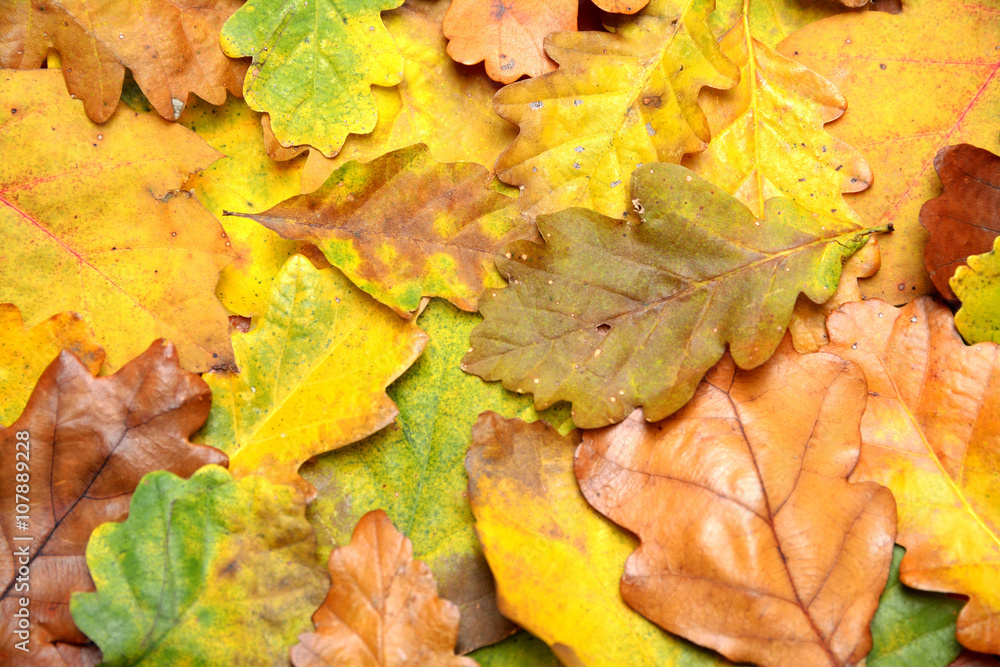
(95, 211)
(617, 101)
(312, 374)
(246, 179)
(25, 353)
(917, 81)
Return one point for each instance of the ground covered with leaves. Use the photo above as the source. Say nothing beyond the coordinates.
(389, 333)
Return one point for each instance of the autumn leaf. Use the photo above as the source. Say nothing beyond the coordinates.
(507, 35)
(404, 227)
(770, 22)
(312, 375)
(965, 219)
(519, 650)
(439, 103)
(314, 66)
(917, 81)
(246, 179)
(978, 286)
(618, 101)
(972, 659)
(621, 6)
(611, 316)
(768, 135)
(206, 571)
(97, 214)
(556, 561)
(383, 609)
(771, 492)
(930, 433)
(413, 470)
(912, 627)
(25, 353)
(77, 452)
(175, 55)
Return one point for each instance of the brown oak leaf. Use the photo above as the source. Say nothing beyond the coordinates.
(74, 457)
(383, 609)
(753, 542)
(965, 219)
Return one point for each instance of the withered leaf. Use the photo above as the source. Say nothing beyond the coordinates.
(90, 441)
(383, 609)
(965, 219)
(753, 541)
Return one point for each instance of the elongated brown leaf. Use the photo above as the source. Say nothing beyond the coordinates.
(90, 441)
(965, 219)
(403, 227)
(611, 315)
(383, 609)
(753, 541)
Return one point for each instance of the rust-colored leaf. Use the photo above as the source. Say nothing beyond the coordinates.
(506, 35)
(931, 433)
(383, 609)
(90, 441)
(753, 541)
(965, 219)
(172, 48)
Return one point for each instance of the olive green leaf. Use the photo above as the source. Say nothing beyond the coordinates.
(611, 315)
(403, 227)
(314, 63)
(413, 470)
(913, 627)
(520, 650)
(205, 571)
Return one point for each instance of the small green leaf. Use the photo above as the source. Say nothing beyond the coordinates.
(978, 286)
(913, 627)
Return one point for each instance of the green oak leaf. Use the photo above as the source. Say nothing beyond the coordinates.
(913, 627)
(314, 63)
(612, 315)
(205, 571)
(978, 286)
(520, 650)
(413, 470)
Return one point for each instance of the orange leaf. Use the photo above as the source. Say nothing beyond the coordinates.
(931, 433)
(90, 440)
(172, 49)
(621, 6)
(383, 608)
(506, 34)
(753, 541)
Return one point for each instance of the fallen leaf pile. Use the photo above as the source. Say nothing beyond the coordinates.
(511, 333)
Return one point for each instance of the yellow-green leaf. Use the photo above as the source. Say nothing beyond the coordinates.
(771, 20)
(558, 562)
(95, 211)
(25, 353)
(246, 179)
(205, 571)
(440, 103)
(404, 227)
(616, 102)
(413, 470)
(978, 287)
(312, 374)
(314, 65)
(613, 315)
